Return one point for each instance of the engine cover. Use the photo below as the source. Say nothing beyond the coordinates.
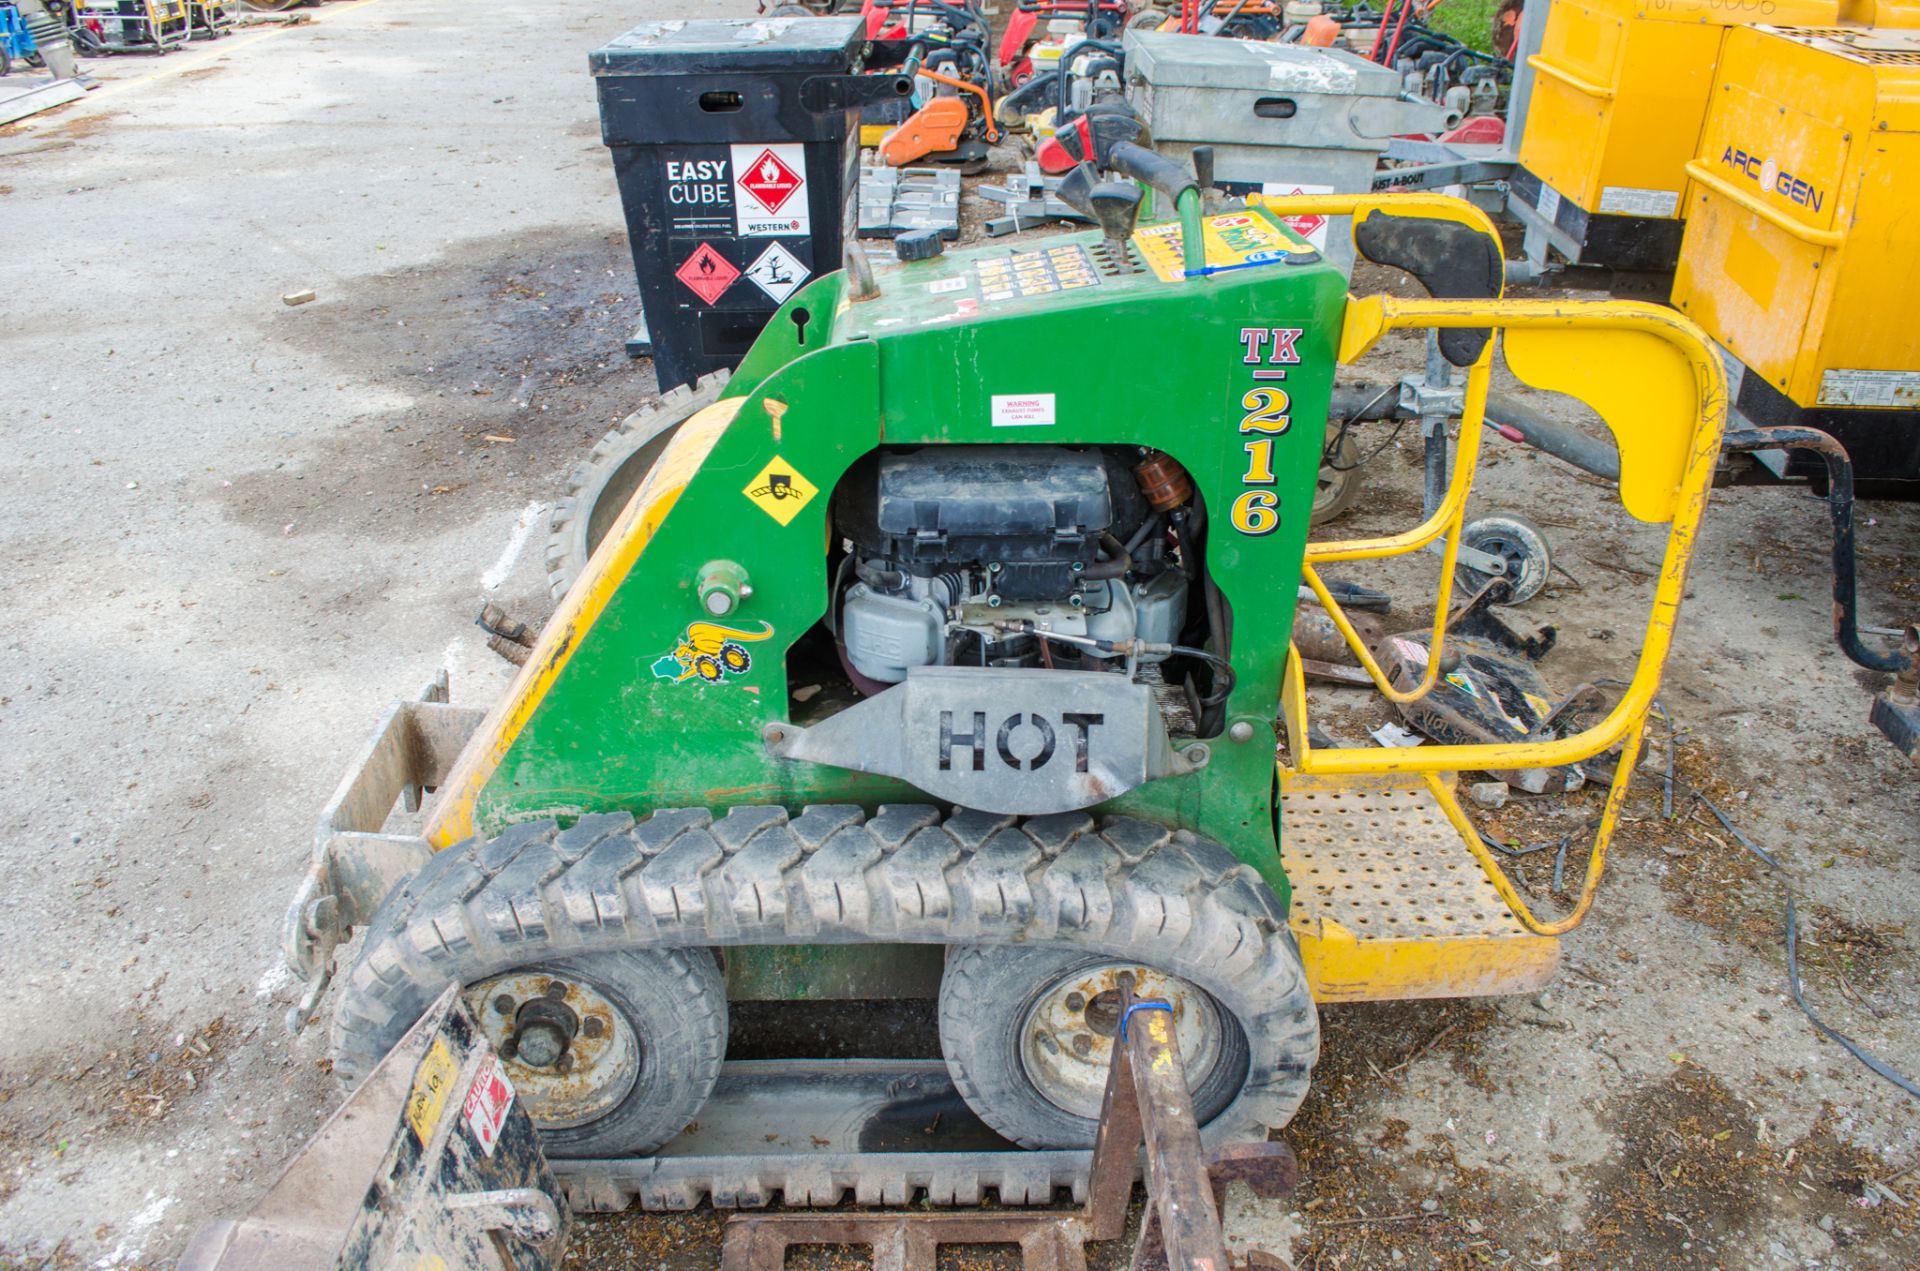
(1029, 513)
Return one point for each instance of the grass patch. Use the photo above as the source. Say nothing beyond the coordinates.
(1468, 21)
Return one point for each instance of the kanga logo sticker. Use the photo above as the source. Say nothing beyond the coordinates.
(780, 491)
(708, 652)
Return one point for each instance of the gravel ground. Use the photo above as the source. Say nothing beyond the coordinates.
(237, 529)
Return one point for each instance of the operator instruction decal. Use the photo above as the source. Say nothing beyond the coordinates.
(1041, 272)
(770, 190)
(1266, 353)
(431, 1084)
(709, 652)
(780, 491)
(1233, 241)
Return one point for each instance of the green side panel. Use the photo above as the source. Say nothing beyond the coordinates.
(939, 357)
(833, 972)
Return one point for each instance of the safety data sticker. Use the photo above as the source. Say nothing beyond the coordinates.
(1870, 388)
(1035, 273)
(1627, 200)
(1237, 240)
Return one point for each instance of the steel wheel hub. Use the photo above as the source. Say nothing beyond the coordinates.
(571, 1055)
(1066, 1039)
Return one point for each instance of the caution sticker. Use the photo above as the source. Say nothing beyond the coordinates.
(780, 491)
(431, 1082)
(707, 273)
(489, 1099)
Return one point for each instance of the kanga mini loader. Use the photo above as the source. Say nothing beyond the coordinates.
(941, 657)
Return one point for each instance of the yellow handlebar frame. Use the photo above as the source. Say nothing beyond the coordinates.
(1672, 335)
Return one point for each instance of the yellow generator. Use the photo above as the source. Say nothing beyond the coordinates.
(1620, 91)
(1802, 248)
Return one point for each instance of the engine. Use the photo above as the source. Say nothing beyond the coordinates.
(1003, 556)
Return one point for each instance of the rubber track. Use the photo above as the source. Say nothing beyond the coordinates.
(566, 548)
(682, 878)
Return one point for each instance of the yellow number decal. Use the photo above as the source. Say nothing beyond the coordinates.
(1259, 462)
(1266, 410)
(1254, 513)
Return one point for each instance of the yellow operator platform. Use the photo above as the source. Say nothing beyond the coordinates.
(1620, 93)
(1802, 249)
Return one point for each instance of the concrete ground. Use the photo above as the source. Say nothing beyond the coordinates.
(237, 529)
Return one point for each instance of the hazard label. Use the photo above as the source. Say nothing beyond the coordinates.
(780, 491)
(707, 273)
(778, 272)
(770, 190)
(1312, 227)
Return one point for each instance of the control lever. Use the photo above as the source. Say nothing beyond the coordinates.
(1076, 189)
(1116, 205)
(1156, 170)
(1211, 198)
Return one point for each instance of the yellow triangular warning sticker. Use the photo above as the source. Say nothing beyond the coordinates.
(780, 491)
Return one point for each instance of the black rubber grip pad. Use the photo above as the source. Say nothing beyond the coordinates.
(1452, 261)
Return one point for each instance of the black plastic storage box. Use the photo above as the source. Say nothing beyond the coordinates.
(736, 145)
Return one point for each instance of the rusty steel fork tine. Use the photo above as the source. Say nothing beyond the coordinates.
(1178, 1189)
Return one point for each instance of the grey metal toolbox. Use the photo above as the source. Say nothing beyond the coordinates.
(1281, 118)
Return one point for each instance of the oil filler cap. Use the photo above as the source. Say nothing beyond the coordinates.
(920, 244)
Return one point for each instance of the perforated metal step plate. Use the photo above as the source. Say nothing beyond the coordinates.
(1389, 903)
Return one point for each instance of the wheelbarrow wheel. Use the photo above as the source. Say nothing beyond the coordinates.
(1339, 483)
(600, 488)
(1517, 541)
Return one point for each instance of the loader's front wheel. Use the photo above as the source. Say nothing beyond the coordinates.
(606, 481)
(609, 1053)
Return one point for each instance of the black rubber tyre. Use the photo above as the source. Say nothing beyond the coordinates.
(1338, 487)
(985, 997)
(1519, 542)
(676, 1001)
(674, 998)
(682, 882)
(599, 489)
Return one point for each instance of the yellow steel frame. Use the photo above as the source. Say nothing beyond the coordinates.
(1653, 377)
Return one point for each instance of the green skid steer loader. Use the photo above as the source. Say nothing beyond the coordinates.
(944, 653)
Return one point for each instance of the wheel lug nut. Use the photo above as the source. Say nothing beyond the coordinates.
(1075, 1002)
(564, 1064)
(556, 989)
(1082, 1045)
(504, 1004)
(593, 1026)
